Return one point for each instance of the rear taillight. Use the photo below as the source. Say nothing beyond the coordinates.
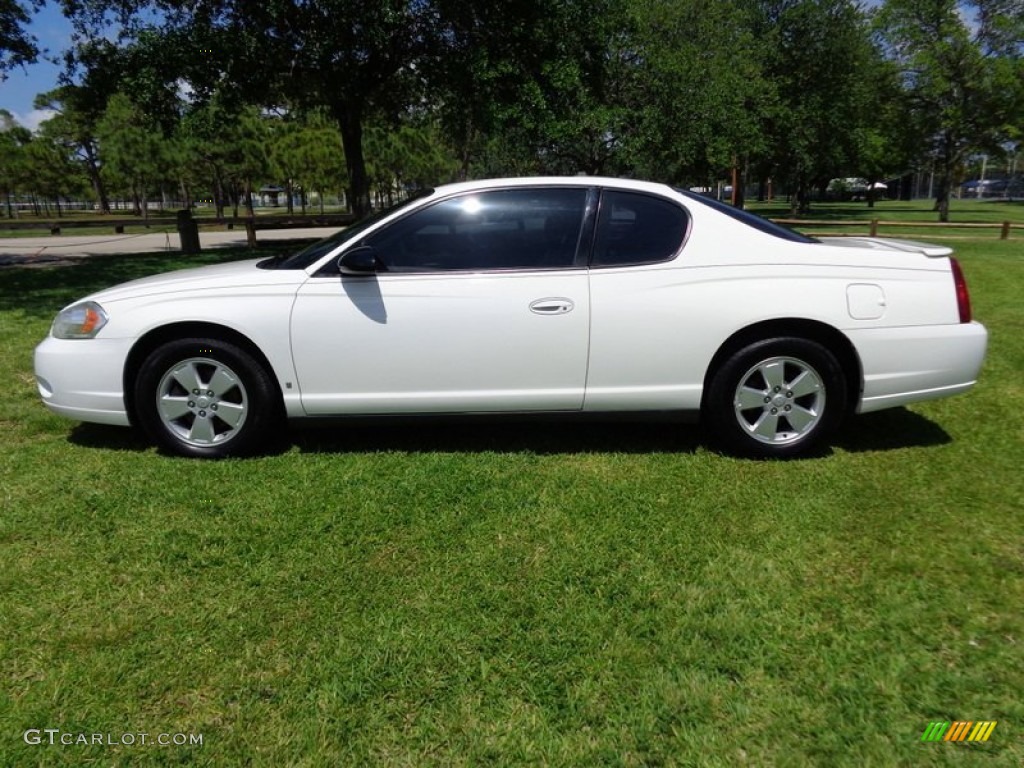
(963, 298)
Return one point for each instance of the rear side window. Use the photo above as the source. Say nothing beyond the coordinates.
(634, 228)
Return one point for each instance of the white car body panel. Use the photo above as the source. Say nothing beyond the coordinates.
(623, 338)
(441, 343)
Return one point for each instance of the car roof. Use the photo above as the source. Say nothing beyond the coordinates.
(567, 181)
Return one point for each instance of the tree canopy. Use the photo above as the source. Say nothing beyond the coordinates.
(219, 96)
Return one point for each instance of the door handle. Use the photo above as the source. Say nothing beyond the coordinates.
(554, 306)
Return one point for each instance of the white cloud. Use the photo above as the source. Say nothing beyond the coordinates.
(31, 120)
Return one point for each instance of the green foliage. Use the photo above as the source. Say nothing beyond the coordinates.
(685, 91)
(963, 79)
(407, 156)
(17, 46)
(78, 110)
(700, 95)
(13, 141)
(52, 167)
(136, 156)
(307, 155)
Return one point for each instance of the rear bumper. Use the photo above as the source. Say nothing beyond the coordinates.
(82, 378)
(907, 365)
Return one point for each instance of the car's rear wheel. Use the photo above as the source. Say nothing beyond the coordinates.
(205, 398)
(776, 398)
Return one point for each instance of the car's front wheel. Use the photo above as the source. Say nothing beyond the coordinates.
(205, 398)
(776, 398)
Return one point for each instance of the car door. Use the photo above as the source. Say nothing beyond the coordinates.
(480, 307)
(642, 322)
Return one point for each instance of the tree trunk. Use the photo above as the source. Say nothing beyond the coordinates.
(92, 169)
(350, 123)
(945, 180)
(218, 195)
(942, 199)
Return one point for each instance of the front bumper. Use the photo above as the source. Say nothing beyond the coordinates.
(83, 378)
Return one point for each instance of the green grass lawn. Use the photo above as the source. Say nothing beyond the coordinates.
(514, 594)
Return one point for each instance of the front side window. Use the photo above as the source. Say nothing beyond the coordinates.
(634, 228)
(490, 230)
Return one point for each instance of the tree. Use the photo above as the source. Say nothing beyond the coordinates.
(349, 56)
(817, 54)
(306, 154)
(50, 169)
(407, 155)
(135, 151)
(78, 110)
(700, 95)
(13, 139)
(534, 87)
(961, 67)
(17, 47)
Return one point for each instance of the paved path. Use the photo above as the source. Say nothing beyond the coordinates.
(51, 249)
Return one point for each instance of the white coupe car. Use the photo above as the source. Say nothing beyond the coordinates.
(538, 295)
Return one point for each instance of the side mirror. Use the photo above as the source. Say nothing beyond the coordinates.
(360, 261)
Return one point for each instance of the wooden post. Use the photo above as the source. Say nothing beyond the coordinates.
(1005, 232)
(188, 232)
(874, 228)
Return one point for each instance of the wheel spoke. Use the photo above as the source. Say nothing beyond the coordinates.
(230, 413)
(774, 373)
(800, 418)
(202, 431)
(767, 426)
(222, 381)
(805, 383)
(188, 377)
(748, 398)
(173, 408)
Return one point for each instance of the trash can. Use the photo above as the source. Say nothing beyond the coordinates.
(188, 232)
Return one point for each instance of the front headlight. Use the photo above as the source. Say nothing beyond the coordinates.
(79, 321)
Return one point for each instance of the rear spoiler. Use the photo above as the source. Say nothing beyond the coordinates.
(890, 244)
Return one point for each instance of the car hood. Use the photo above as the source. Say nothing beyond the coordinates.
(235, 274)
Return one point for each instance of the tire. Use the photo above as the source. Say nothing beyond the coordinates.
(206, 398)
(776, 398)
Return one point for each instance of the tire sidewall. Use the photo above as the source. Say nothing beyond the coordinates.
(719, 412)
(262, 410)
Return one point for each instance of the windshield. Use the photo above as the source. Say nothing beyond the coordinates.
(321, 248)
(750, 219)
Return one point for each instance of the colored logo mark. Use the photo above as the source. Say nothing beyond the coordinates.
(961, 730)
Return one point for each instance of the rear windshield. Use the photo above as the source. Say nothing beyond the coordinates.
(750, 219)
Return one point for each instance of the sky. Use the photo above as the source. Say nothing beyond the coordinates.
(52, 32)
